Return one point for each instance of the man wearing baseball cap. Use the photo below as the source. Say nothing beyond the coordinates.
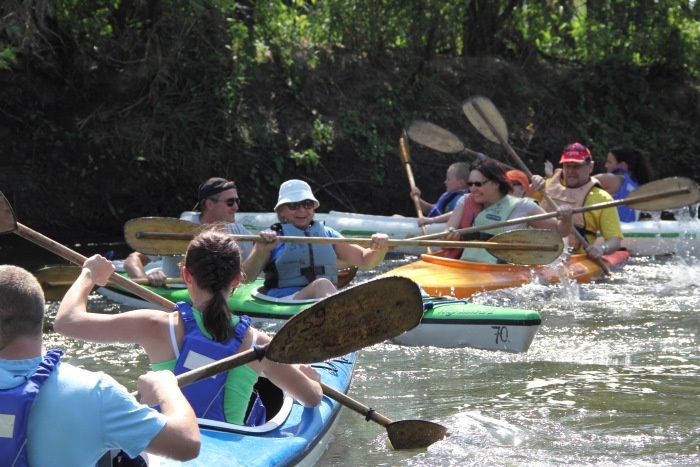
(218, 201)
(572, 184)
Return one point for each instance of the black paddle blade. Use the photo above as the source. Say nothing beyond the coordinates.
(8, 222)
(414, 434)
(357, 317)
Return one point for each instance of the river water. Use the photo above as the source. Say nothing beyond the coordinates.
(612, 377)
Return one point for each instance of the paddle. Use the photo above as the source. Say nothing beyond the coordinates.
(403, 434)
(659, 195)
(8, 223)
(486, 118)
(405, 156)
(56, 280)
(168, 236)
(441, 140)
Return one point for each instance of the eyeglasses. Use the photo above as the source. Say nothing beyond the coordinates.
(477, 184)
(516, 184)
(306, 204)
(229, 202)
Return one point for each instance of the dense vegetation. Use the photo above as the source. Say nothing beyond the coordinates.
(118, 109)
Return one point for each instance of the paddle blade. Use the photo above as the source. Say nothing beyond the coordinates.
(486, 118)
(357, 317)
(529, 237)
(667, 193)
(56, 280)
(414, 434)
(159, 235)
(8, 222)
(434, 137)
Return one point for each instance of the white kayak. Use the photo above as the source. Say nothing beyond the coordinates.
(642, 238)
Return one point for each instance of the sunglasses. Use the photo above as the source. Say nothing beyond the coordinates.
(516, 184)
(306, 204)
(229, 202)
(477, 184)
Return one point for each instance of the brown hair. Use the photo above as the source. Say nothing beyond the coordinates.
(214, 260)
(492, 170)
(21, 304)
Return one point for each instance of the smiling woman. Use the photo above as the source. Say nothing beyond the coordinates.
(305, 271)
(488, 202)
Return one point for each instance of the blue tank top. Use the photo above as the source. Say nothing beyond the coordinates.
(15, 404)
(206, 396)
(626, 213)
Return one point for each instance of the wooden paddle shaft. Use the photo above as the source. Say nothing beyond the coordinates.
(406, 159)
(364, 241)
(77, 258)
(352, 404)
(136, 281)
(547, 215)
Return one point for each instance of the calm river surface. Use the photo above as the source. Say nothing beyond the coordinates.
(612, 377)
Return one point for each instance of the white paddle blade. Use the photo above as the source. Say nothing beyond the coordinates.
(486, 118)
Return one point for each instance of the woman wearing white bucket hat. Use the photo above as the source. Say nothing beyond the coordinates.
(303, 271)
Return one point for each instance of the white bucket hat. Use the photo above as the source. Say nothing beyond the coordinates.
(293, 191)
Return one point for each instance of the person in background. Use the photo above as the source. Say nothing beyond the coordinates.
(207, 329)
(53, 413)
(218, 200)
(305, 270)
(572, 184)
(627, 169)
(489, 201)
(519, 184)
(455, 187)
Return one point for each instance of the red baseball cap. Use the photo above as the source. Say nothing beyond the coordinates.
(577, 153)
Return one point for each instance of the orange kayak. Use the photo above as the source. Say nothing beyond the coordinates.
(441, 276)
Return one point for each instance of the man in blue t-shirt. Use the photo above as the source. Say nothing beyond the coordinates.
(52, 413)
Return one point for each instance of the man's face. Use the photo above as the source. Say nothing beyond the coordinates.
(576, 175)
(218, 209)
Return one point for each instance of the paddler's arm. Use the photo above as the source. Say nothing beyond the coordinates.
(259, 257)
(365, 258)
(134, 267)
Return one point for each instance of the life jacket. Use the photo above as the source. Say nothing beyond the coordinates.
(626, 213)
(469, 212)
(575, 197)
(443, 201)
(206, 396)
(302, 263)
(15, 404)
(497, 212)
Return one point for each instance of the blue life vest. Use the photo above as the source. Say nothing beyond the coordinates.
(15, 404)
(206, 396)
(442, 205)
(299, 264)
(626, 213)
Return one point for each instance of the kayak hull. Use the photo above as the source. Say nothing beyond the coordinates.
(447, 277)
(446, 323)
(296, 436)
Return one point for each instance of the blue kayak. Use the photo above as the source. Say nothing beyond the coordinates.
(293, 436)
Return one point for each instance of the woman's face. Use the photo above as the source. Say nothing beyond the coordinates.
(300, 214)
(484, 190)
(611, 163)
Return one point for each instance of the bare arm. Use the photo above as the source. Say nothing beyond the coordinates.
(259, 257)
(365, 258)
(145, 327)
(562, 224)
(134, 267)
(180, 438)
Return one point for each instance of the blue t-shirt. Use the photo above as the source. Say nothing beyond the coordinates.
(79, 415)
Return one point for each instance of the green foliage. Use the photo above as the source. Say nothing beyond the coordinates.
(141, 100)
